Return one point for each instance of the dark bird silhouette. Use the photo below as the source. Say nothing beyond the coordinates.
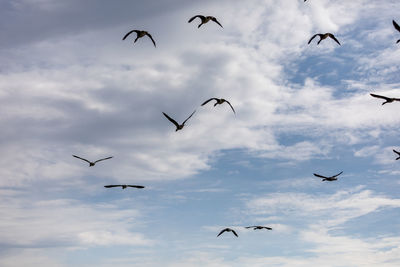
(398, 154)
(140, 34)
(124, 186)
(204, 19)
(330, 178)
(258, 227)
(178, 126)
(388, 99)
(227, 230)
(91, 164)
(219, 102)
(397, 27)
(324, 36)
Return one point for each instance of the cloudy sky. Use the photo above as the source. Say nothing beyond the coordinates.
(70, 85)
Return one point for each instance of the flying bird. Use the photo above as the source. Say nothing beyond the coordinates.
(91, 164)
(398, 154)
(140, 34)
(227, 230)
(258, 227)
(124, 186)
(178, 126)
(204, 19)
(388, 99)
(219, 102)
(397, 27)
(324, 36)
(330, 178)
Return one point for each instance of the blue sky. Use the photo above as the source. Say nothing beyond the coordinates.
(70, 85)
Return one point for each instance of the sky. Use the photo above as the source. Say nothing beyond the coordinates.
(70, 86)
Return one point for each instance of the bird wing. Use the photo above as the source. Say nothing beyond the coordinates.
(171, 120)
(102, 159)
(126, 35)
(233, 231)
(209, 100)
(220, 233)
(216, 21)
(154, 43)
(136, 186)
(81, 159)
(247, 227)
(333, 37)
(396, 26)
(268, 228)
(397, 152)
(315, 35)
(197, 16)
(231, 106)
(189, 117)
(380, 96)
(337, 174)
(320, 176)
(112, 185)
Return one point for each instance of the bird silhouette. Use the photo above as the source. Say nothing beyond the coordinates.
(91, 163)
(204, 19)
(397, 27)
(140, 34)
(330, 178)
(227, 230)
(219, 102)
(388, 99)
(178, 126)
(398, 154)
(324, 36)
(124, 186)
(259, 227)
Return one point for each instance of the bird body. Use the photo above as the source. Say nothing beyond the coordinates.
(388, 99)
(323, 37)
(227, 230)
(397, 27)
(124, 186)
(258, 227)
(219, 102)
(204, 19)
(91, 163)
(140, 34)
(329, 178)
(177, 125)
(398, 154)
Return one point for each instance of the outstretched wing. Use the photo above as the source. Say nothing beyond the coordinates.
(197, 16)
(397, 152)
(230, 106)
(171, 119)
(154, 43)
(216, 21)
(81, 159)
(396, 26)
(209, 100)
(266, 227)
(233, 231)
(320, 176)
(247, 227)
(380, 96)
(337, 174)
(112, 185)
(315, 35)
(220, 233)
(188, 117)
(136, 186)
(333, 37)
(102, 159)
(126, 35)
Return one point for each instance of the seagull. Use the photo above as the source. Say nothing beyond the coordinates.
(324, 36)
(178, 126)
(228, 230)
(258, 227)
(124, 186)
(219, 102)
(140, 34)
(397, 27)
(388, 99)
(330, 178)
(204, 19)
(91, 164)
(398, 153)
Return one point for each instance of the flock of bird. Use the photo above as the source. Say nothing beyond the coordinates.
(219, 101)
